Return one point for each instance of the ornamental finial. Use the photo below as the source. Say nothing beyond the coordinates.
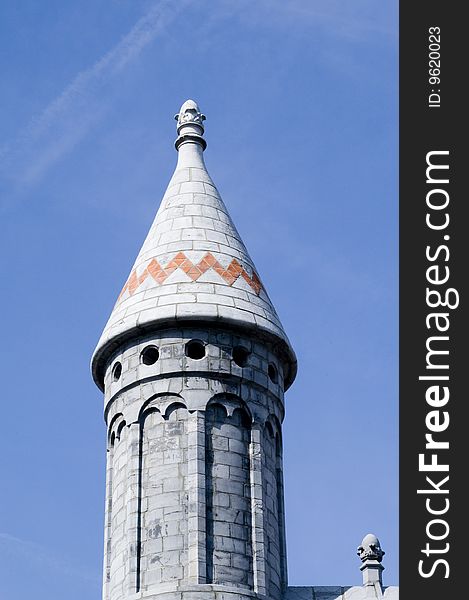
(190, 124)
(190, 113)
(371, 555)
(370, 549)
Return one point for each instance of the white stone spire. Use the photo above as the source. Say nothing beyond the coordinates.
(193, 265)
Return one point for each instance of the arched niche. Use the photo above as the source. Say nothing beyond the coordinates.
(163, 490)
(228, 492)
(115, 429)
(230, 402)
(161, 403)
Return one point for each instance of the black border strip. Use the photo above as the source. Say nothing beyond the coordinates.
(433, 129)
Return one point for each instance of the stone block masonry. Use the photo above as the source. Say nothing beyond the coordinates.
(194, 465)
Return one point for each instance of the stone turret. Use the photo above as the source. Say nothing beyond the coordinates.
(194, 363)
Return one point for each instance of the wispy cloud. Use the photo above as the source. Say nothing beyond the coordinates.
(86, 99)
(80, 106)
(38, 555)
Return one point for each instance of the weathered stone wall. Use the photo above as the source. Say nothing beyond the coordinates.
(194, 467)
(228, 497)
(163, 537)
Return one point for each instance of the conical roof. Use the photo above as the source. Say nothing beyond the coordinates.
(193, 265)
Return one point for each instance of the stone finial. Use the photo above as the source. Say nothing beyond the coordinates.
(190, 125)
(190, 113)
(371, 555)
(370, 549)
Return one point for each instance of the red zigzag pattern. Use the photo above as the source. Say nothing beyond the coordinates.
(180, 261)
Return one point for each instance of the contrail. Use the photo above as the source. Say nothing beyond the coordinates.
(68, 118)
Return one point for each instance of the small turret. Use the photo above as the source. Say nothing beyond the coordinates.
(193, 363)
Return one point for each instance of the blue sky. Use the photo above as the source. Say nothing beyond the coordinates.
(301, 105)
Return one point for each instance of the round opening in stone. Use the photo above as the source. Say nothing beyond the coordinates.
(273, 374)
(150, 355)
(195, 349)
(116, 371)
(240, 356)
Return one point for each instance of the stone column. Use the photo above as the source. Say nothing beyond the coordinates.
(107, 522)
(258, 542)
(133, 508)
(196, 491)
